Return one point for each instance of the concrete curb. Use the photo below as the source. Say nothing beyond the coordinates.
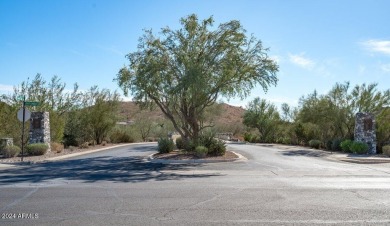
(89, 152)
(240, 158)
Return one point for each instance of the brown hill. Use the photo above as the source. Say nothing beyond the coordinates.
(226, 114)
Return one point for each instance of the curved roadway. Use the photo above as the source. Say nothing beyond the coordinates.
(273, 187)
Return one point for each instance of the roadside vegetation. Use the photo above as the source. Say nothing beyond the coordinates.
(321, 121)
(183, 73)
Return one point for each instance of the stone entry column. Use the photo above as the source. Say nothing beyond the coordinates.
(365, 130)
(40, 128)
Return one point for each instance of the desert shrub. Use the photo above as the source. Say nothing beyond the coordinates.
(206, 140)
(336, 144)
(254, 139)
(247, 137)
(190, 146)
(56, 147)
(104, 143)
(72, 148)
(201, 151)
(285, 140)
(315, 144)
(119, 136)
(37, 149)
(386, 150)
(84, 145)
(217, 148)
(359, 147)
(346, 145)
(165, 145)
(328, 145)
(10, 151)
(179, 143)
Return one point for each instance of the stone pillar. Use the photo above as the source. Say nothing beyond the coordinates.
(40, 128)
(365, 130)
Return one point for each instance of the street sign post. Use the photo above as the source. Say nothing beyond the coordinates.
(31, 103)
(24, 114)
(27, 114)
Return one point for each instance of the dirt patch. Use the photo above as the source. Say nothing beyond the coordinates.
(41, 158)
(180, 155)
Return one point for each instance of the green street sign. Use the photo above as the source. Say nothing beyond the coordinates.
(31, 103)
(20, 97)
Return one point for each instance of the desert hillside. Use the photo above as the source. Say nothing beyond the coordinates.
(227, 114)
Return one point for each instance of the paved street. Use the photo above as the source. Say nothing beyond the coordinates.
(273, 187)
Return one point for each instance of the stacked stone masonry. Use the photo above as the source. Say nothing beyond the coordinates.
(40, 128)
(365, 130)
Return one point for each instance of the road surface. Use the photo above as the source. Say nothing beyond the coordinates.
(118, 187)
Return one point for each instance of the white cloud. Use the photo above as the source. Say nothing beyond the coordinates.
(275, 58)
(301, 60)
(385, 68)
(6, 88)
(380, 46)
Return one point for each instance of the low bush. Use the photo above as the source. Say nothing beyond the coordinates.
(104, 143)
(359, 147)
(179, 143)
(346, 145)
(37, 149)
(217, 148)
(165, 145)
(386, 150)
(10, 151)
(247, 137)
(315, 144)
(336, 144)
(119, 136)
(254, 139)
(56, 147)
(72, 148)
(286, 140)
(328, 145)
(84, 145)
(201, 151)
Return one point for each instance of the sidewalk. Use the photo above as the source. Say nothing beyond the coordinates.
(335, 156)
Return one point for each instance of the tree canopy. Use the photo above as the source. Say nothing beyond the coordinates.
(184, 71)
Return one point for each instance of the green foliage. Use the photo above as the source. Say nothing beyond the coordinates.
(358, 147)
(336, 144)
(180, 143)
(217, 148)
(328, 145)
(247, 137)
(165, 145)
(315, 144)
(346, 145)
(386, 150)
(185, 71)
(37, 149)
(121, 136)
(10, 151)
(201, 151)
(263, 116)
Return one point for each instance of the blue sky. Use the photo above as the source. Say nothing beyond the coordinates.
(316, 43)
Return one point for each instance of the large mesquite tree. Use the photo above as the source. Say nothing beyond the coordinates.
(184, 71)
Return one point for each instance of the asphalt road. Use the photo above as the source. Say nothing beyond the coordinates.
(274, 187)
